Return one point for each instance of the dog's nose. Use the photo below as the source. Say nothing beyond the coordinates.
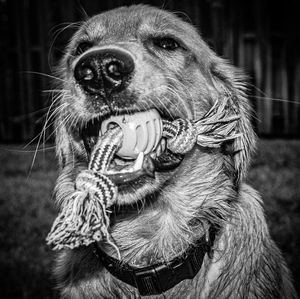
(104, 71)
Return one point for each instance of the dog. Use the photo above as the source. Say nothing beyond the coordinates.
(192, 227)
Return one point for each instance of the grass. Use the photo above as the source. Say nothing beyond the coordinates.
(27, 212)
(275, 173)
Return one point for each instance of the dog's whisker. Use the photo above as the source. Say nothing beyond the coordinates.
(58, 125)
(41, 135)
(185, 92)
(47, 75)
(163, 105)
(59, 28)
(294, 101)
(47, 117)
(180, 100)
(57, 32)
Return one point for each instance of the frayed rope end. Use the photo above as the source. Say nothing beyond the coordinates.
(84, 217)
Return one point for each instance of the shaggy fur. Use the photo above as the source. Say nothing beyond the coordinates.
(160, 218)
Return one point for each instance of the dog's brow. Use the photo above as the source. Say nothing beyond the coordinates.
(162, 26)
(95, 29)
(149, 29)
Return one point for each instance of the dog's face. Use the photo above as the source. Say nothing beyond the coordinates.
(135, 59)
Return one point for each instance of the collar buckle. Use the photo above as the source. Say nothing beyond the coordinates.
(147, 281)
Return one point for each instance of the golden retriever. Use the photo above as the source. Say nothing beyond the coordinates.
(189, 226)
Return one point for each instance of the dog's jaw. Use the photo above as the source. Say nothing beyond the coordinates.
(167, 221)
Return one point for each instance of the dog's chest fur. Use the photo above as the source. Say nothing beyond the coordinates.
(244, 262)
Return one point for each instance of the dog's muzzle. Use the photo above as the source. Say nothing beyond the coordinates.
(104, 71)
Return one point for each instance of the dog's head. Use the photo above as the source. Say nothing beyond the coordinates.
(135, 59)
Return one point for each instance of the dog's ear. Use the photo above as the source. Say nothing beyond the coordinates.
(229, 81)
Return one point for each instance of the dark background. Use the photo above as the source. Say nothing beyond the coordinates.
(262, 37)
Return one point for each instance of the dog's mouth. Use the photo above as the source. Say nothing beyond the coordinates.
(126, 170)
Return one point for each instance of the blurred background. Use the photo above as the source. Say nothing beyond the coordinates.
(262, 37)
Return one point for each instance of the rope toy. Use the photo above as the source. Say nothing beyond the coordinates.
(84, 217)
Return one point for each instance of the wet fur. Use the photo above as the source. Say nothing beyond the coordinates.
(161, 219)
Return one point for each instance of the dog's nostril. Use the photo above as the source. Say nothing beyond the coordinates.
(113, 70)
(116, 70)
(85, 74)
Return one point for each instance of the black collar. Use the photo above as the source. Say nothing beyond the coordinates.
(158, 278)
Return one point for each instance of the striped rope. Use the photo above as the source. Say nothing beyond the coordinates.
(83, 218)
(215, 127)
(181, 135)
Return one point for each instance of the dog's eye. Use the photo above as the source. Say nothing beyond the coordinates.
(166, 43)
(82, 47)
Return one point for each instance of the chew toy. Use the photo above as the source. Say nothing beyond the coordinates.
(84, 217)
(142, 132)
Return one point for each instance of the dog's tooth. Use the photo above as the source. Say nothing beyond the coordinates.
(154, 154)
(163, 144)
(139, 162)
(161, 147)
(159, 150)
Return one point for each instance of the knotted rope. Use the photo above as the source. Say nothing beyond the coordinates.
(211, 130)
(84, 217)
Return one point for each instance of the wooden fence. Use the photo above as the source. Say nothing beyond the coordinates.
(256, 35)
